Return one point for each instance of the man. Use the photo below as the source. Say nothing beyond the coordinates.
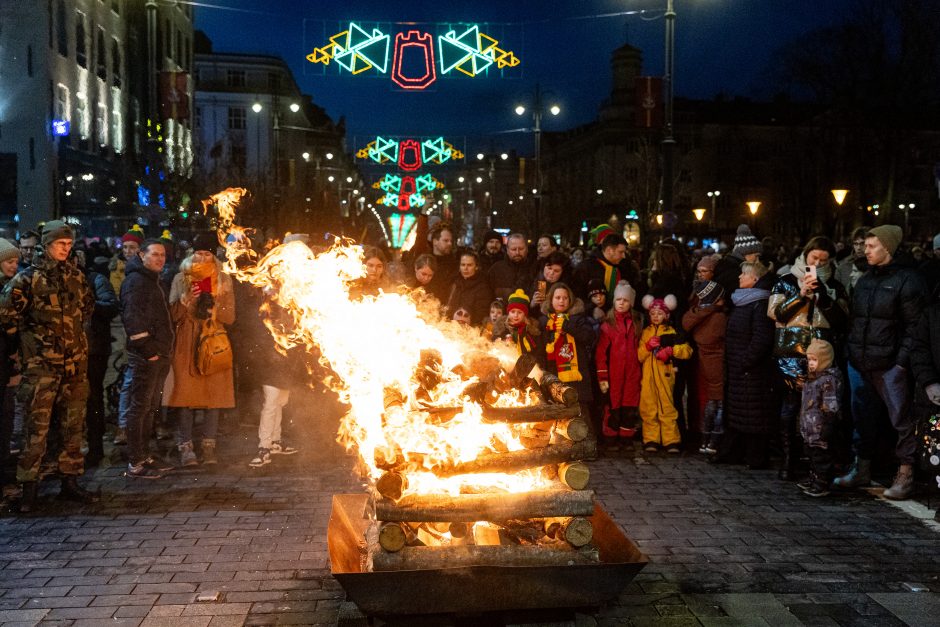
(515, 272)
(609, 265)
(886, 306)
(442, 247)
(49, 301)
(130, 245)
(850, 269)
(28, 241)
(149, 329)
(492, 250)
(746, 248)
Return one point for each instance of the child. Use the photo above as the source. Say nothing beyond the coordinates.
(618, 369)
(567, 342)
(659, 345)
(706, 320)
(598, 295)
(516, 326)
(496, 310)
(819, 413)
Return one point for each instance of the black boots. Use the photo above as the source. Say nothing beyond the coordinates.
(71, 491)
(28, 499)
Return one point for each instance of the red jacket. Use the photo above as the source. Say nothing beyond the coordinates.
(617, 361)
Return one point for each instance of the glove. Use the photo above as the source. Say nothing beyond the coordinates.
(664, 354)
(604, 386)
(667, 340)
(652, 343)
(933, 393)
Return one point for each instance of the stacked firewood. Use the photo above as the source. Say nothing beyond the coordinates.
(549, 527)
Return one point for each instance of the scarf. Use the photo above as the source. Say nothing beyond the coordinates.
(798, 269)
(748, 295)
(205, 270)
(520, 338)
(611, 277)
(561, 349)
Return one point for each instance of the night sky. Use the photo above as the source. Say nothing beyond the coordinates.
(723, 46)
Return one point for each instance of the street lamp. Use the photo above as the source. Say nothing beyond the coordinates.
(713, 196)
(669, 141)
(699, 213)
(294, 107)
(257, 107)
(555, 110)
(839, 195)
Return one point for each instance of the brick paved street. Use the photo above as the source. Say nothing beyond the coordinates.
(236, 546)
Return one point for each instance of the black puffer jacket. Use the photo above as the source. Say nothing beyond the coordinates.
(473, 294)
(145, 313)
(507, 276)
(886, 305)
(925, 353)
(98, 327)
(750, 405)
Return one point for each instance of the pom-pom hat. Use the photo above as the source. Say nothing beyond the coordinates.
(518, 300)
(666, 304)
(134, 234)
(745, 243)
(624, 289)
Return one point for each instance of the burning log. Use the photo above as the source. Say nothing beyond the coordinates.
(514, 461)
(493, 507)
(437, 557)
(553, 388)
(575, 475)
(391, 485)
(574, 429)
(530, 413)
(576, 531)
(393, 536)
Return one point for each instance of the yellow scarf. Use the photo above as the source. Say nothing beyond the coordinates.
(203, 269)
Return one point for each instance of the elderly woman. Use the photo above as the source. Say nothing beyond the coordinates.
(200, 292)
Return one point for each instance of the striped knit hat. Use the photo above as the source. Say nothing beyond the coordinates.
(745, 243)
(518, 300)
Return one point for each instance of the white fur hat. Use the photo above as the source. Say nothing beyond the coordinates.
(625, 289)
(667, 303)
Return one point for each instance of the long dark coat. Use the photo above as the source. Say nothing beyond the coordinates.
(750, 405)
(707, 326)
(474, 294)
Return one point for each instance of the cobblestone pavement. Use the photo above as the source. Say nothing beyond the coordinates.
(237, 546)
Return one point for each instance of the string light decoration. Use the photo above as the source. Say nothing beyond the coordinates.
(401, 225)
(406, 192)
(409, 155)
(436, 151)
(413, 63)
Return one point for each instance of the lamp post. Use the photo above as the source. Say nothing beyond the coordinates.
(537, 111)
(669, 141)
(713, 196)
(753, 206)
(906, 208)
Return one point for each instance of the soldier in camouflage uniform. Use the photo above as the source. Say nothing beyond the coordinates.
(49, 302)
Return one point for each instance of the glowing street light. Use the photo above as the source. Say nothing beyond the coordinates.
(306, 156)
(699, 213)
(659, 219)
(599, 191)
(839, 195)
(753, 206)
(329, 155)
(257, 107)
(503, 156)
(294, 107)
(554, 110)
(520, 110)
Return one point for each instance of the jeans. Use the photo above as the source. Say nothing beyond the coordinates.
(187, 416)
(714, 422)
(269, 428)
(140, 395)
(122, 400)
(874, 392)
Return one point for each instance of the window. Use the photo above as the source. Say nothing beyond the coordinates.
(102, 55)
(167, 43)
(115, 63)
(197, 118)
(81, 45)
(81, 111)
(117, 130)
(238, 157)
(236, 118)
(61, 30)
(101, 124)
(61, 103)
(274, 81)
(236, 78)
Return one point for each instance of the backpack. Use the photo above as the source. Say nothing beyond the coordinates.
(213, 349)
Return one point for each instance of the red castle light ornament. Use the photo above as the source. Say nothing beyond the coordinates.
(407, 42)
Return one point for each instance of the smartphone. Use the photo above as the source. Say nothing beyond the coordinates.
(811, 273)
(542, 286)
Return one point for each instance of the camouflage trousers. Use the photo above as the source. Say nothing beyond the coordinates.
(42, 391)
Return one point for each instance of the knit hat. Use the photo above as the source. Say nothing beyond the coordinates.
(708, 292)
(708, 262)
(8, 250)
(56, 229)
(492, 235)
(518, 300)
(134, 234)
(600, 232)
(206, 241)
(596, 286)
(667, 304)
(625, 289)
(889, 235)
(823, 351)
(936, 241)
(745, 243)
(166, 236)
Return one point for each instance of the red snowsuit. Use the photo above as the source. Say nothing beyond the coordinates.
(617, 362)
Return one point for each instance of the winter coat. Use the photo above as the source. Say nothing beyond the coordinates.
(145, 312)
(473, 294)
(98, 327)
(265, 365)
(749, 403)
(800, 319)
(579, 327)
(507, 276)
(925, 348)
(185, 387)
(663, 373)
(502, 331)
(597, 267)
(849, 271)
(9, 343)
(487, 260)
(448, 267)
(707, 327)
(617, 362)
(819, 411)
(886, 307)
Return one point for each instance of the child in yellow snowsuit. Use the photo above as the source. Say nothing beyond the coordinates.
(658, 347)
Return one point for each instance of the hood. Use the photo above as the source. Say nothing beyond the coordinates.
(576, 308)
(136, 265)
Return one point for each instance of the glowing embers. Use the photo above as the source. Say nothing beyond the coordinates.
(355, 50)
(384, 150)
(400, 225)
(472, 52)
(416, 44)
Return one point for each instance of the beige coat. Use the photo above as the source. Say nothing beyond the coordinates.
(184, 386)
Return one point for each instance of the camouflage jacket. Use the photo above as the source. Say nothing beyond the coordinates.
(48, 302)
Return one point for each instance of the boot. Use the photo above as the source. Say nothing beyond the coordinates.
(859, 475)
(208, 452)
(72, 491)
(187, 456)
(28, 499)
(903, 485)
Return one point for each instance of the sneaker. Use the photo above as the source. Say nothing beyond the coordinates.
(626, 432)
(650, 447)
(709, 449)
(806, 484)
(817, 489)
(142, 471)
(703, 449)
(120, 435)
(187, 455)
(263, 457)
(279, 448)
(674, 449)
(158, 464)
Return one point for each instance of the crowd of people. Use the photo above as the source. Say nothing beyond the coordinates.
(747, 355)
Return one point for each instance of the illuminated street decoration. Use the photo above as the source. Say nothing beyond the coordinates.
(355, 50)
(427, 183)
(406, 192)
(401, 225)
(414, 67)
(425, 46)
(383, 150)
(409, 155)
(435, 150)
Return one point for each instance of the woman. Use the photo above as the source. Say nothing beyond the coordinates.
(200, 292)
(375, 280)
(749, 405)
(470, 291)
(424, 268)
(807, 303)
